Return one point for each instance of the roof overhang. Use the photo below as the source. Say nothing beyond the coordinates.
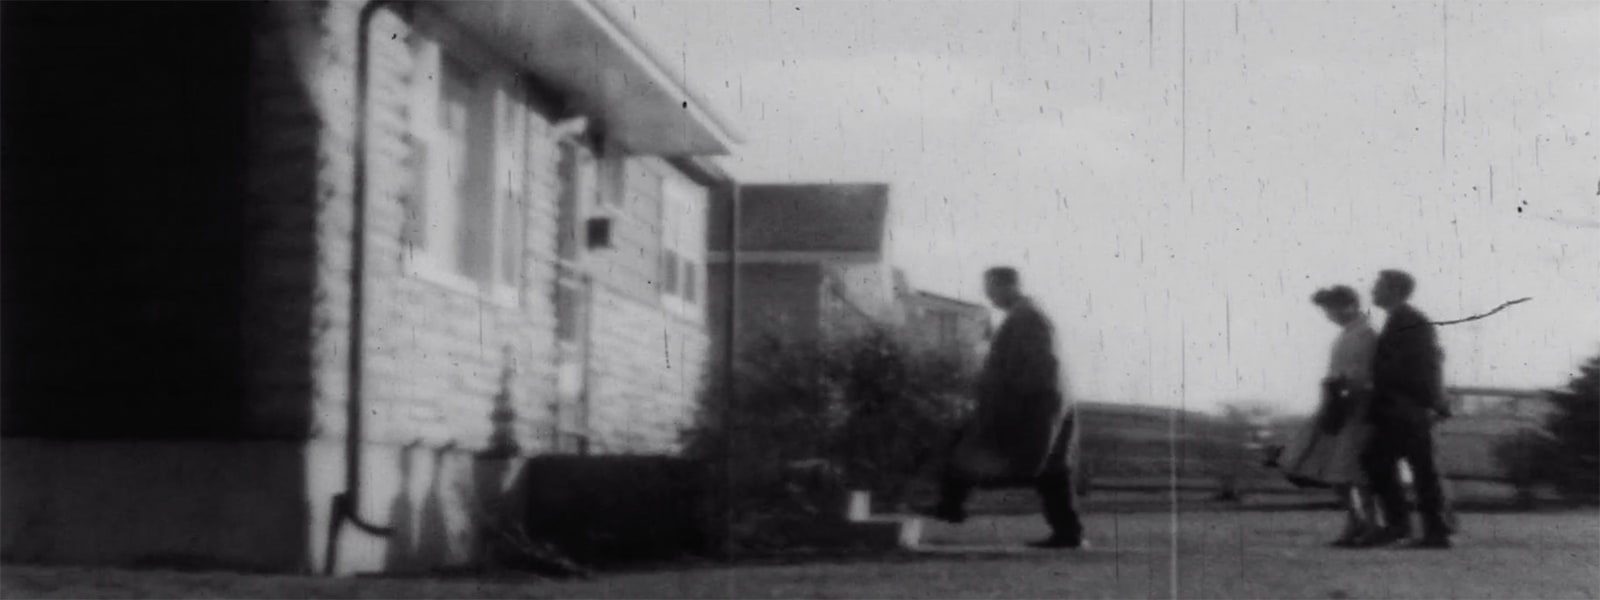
(704, 170)
(949, 300)
(585, 48)
(1496, 392)
(793, 257)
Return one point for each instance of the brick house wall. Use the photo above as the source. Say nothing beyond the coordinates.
(439, 362)
(649, 359)
(287, 169)
(446, 372)
(436, 356)
(784, 301)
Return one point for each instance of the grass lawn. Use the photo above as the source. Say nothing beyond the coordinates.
(1201, 554)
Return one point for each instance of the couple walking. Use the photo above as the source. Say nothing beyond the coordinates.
(1381, 397)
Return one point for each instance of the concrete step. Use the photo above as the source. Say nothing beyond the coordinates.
(879, 531)
(858, 506)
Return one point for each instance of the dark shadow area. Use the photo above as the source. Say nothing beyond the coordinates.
(421, 539)
(399, 556)
(137, 303)
(433, 531)
(617, 510)
(124, 160)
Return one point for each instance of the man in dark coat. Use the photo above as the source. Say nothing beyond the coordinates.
(1408, 398)
(1022, 432)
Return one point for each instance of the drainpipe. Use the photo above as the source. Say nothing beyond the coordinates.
(347, 504)
(731, 330)
(585, 397)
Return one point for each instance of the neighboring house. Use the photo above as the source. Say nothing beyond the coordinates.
(217, 304)
(812, 262)
(953, 329)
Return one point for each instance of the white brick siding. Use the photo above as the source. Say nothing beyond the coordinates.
(435, 356)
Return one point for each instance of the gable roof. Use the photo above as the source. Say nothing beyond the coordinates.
(823, 218)
(930, 297)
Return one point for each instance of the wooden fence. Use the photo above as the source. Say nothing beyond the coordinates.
(1141, 448)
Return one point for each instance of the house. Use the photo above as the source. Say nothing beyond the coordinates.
(295, 286)
(812, 266)
(952, 329)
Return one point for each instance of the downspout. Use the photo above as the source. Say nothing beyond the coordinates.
(730, 380)
(347, 504)
(586, 443)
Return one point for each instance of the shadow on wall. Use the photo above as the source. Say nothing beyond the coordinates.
(468, 513)
(421, 531)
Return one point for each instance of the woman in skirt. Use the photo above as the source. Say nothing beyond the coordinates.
(1327, 452)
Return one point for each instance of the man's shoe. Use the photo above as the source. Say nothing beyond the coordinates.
(950, 514)
(1060, 543)
(1431, 542)
(1349, 541)
(1381, 537)
(1351, 538)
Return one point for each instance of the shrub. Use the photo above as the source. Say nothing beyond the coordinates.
(811, 421)
(1566, 454)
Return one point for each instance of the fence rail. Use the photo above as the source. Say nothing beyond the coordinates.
(1135, 449)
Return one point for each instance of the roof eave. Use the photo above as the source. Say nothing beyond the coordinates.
(583, 48)
(717, 123)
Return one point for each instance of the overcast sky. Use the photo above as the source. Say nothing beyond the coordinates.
(1175, 180)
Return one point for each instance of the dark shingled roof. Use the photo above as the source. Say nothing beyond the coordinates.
(949, 300)
(806, 218)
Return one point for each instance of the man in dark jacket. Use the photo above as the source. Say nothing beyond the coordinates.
(1408, 398)
(1022, 432)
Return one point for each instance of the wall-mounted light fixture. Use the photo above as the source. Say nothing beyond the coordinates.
(570, 127)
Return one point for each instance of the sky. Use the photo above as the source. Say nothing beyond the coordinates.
(1175, 179)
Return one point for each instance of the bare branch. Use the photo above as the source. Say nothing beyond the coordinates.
(1476, 317)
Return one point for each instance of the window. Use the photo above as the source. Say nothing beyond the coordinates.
(683, 242)
(669, 272)
(691, 282)
(464, 224)
(578, 188)
(568, 305)
(948, 336)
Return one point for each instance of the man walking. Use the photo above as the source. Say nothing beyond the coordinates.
(1022, 432)
(1408, 398)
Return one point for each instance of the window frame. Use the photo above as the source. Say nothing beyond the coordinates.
(682, 230)
(509, 119)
